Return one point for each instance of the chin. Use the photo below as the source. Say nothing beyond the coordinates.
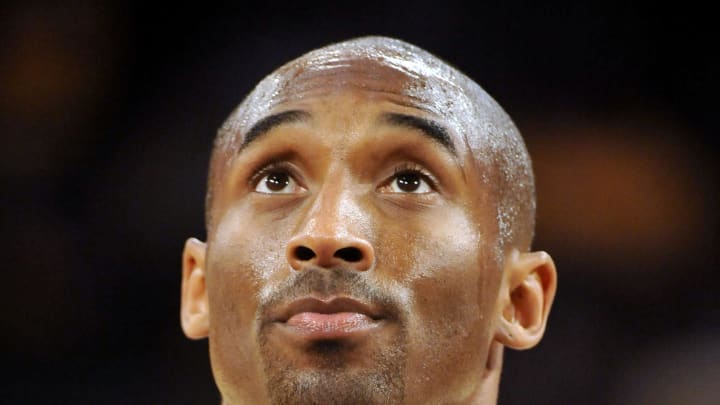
(336, 372)
(336, 385)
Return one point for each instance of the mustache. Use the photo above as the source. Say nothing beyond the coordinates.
(335, 282)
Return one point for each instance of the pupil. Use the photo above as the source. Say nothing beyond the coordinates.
(408, 182)
(277, 181)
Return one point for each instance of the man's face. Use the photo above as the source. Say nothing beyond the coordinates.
(351, 254)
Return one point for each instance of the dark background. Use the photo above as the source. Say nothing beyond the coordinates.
(107, 113)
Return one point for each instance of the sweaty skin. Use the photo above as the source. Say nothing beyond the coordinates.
(362, 246)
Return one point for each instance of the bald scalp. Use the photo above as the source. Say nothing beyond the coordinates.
(496, 145)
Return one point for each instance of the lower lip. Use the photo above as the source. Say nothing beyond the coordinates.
(316, 326)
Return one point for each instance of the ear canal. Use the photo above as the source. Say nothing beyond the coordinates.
(530, 289)
(509, 313)
(521, 320)
(527, 303)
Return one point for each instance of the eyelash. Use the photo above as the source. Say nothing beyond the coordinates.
(415, 169)
(403, 168)
(272, 168)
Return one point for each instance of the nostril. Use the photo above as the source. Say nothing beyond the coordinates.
(303, 253)
(349, 254)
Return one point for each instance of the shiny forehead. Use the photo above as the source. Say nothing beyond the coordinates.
(379, 64)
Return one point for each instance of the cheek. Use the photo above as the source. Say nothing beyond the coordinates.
(443, 252)
(243, 257)
(451, 278)
(448, 266)
(246, 255)
(256, 238)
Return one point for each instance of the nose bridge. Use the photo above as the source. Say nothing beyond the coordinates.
(331, 212)
(332, 231)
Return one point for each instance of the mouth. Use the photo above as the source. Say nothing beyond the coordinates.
(313, 318)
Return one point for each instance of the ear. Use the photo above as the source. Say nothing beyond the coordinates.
(194, 314)
(526, 295)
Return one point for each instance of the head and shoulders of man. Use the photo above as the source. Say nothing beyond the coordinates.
(370, 213)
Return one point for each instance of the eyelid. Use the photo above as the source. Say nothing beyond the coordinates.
(272, 167)
(412, 167)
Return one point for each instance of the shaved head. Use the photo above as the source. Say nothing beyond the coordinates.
(487, 130)
(370, 211)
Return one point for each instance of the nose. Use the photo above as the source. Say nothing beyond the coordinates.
(331, 234)
(330, 251)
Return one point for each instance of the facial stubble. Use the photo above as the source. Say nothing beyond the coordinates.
(332, 378)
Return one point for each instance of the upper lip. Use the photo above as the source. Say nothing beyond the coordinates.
(330, 305)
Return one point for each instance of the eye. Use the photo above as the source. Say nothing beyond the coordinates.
(277, 182)
(409, 181)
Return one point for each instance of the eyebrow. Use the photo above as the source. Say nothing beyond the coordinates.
(429, 128)
(266, 124)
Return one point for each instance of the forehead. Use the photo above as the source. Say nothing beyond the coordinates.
(396, 80)
(323, 77)
(366, 84)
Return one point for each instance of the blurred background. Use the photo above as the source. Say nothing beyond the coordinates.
(108, 111)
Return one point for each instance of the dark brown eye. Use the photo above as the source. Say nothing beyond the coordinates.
(278, 182)
(409, 182)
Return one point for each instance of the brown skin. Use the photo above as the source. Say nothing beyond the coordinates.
(421, 256)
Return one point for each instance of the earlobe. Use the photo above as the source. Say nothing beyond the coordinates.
(194, 311)
(526, 295)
